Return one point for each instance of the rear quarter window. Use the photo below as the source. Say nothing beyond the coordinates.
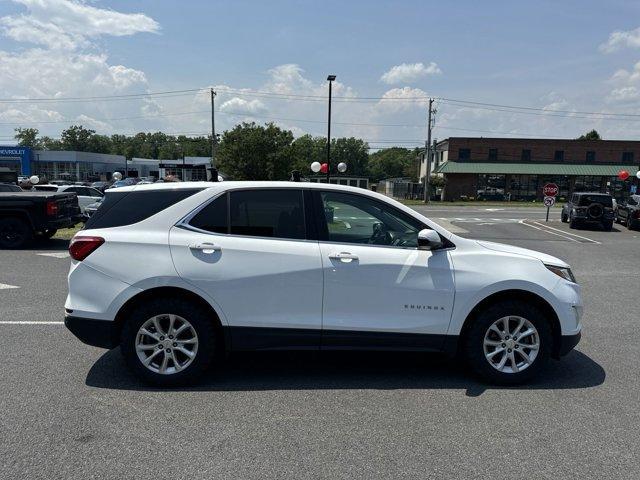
(586, 200)
(126, 208)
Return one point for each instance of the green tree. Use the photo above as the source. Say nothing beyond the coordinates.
(255, 152)
(305, 150)
(77, 138)
(27, 137)
(352, 151)
(592, 135)
(391, 163)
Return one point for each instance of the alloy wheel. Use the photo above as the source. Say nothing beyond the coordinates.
(166, 344)
(511, 344)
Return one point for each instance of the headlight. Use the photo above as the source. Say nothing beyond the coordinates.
(563, 272)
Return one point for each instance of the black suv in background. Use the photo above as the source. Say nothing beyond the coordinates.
(629, 212)
(588, 208)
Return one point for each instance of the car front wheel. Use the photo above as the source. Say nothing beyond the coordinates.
(168, 342)
(508, 343)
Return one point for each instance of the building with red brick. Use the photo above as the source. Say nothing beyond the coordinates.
(517, 168)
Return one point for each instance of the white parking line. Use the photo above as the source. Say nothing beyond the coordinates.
(4, 286)
(55, 254)
(29, 322)
(569, 233)
(565, 235)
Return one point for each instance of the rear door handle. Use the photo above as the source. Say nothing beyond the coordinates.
(205, 247)
(344, 256)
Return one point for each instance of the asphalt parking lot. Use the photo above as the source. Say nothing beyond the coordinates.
(68, 410)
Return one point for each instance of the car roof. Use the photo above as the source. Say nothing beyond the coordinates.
(230, 185)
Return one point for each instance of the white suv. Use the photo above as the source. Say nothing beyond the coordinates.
(178, 273)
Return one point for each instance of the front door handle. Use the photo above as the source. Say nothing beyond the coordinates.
(345, 257)
(205, 247)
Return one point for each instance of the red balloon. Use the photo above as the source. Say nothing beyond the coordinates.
(324, 168)
(623, 175)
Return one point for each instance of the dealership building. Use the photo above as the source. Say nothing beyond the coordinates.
(517, 168)
(88, 166)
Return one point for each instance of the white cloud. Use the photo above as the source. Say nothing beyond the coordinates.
(71, 24)
(621, 39)
(68, 64)
(240, 105)
(399, 99)
(409, 72)
(624, 94)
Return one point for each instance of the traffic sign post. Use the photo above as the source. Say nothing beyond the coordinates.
(550, 190)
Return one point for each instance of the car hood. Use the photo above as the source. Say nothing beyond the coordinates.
(543, 257)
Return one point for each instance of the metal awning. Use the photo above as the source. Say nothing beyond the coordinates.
(535, 168)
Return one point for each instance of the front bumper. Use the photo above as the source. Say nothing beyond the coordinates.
(97, 333)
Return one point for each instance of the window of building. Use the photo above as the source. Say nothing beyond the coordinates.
(558, 156)
(526, 155)
(491, 187)
(588, 183)
(267, 213)
(464, 154)
(523, 187)
(591, 156)
(627, 157)
(357, 219)
(213, 217)
(493, 154)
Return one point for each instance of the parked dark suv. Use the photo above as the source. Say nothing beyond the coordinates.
(588, 208)
(629, 212)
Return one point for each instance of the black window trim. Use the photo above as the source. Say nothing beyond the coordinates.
(184, 222)
(320, 224)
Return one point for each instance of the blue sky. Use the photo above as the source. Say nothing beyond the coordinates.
(543, 54)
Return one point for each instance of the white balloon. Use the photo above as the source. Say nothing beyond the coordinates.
(116, 176)
(638, 174)
(315, 167)
(34, 179)
(342, 167)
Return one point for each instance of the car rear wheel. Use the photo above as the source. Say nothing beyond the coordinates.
(508, 343)
(168, 342)
(14, 233)
(608, 226)
(564, 218)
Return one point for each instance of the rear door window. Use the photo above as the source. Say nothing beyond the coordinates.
(277, 213)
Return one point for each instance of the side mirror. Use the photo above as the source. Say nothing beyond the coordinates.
(428, 239)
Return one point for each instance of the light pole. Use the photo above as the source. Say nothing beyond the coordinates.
(330, 79)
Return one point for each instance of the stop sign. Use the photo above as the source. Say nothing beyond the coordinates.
(550, 190)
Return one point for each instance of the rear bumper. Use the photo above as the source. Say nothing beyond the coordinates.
(568, 343)
(97, 333)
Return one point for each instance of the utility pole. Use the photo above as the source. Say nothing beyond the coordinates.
(330, 79)
(427, 154)
(214, 140)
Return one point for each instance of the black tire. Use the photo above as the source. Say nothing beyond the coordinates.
(608, 226)
(564, 218)
(473, 342)
(573, 223)
(630, 223)
(14, 233)
(200, 320)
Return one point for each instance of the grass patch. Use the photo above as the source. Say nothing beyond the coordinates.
(67, 233)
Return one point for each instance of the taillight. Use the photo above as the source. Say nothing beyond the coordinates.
(81, 247)
(52, 208)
